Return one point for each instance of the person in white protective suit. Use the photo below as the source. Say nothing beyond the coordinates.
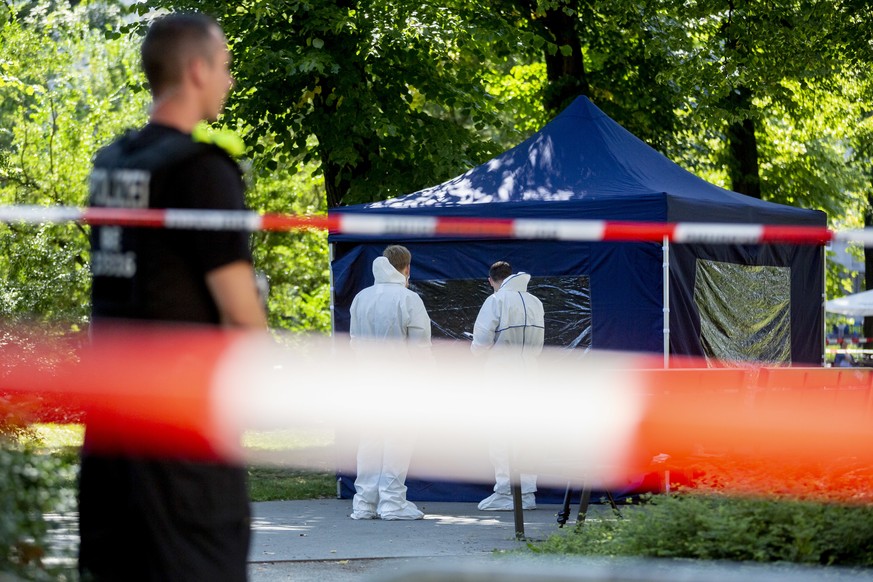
(389, 313)
(510, 328)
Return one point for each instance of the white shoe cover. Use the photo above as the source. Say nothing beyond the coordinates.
(408, 513)
(363, 515)
(503, 502)
(528, 501)
(496, 502)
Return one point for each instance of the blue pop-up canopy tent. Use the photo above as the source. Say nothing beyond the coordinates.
(726, 302)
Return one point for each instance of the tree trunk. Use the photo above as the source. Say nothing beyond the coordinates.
(743, 147)
(338, 179)
(335, 186)
(565, 73)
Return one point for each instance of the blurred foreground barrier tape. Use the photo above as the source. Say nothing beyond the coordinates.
(601, 418)
(375, 224)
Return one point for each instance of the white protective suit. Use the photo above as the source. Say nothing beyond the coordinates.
(387, 311)
(511, 320)
(510, 328)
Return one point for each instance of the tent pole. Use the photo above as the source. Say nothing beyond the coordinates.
(666, 274)
(330, 284)
(824, 298)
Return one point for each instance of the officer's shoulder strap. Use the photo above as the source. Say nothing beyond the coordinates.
(169, 149)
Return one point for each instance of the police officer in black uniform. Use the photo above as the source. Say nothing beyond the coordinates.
(153, 519)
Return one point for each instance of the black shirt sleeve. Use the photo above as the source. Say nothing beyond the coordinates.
(213, 181)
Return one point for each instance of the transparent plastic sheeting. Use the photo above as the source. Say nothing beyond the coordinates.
(454, 304)
(744, 312)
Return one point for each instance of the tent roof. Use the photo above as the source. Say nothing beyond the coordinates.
(585, 165)
(858, 304)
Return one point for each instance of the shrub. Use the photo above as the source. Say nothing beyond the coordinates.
(31, 484)
(713, 526)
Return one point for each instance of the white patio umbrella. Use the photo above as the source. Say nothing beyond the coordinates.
(857, 305)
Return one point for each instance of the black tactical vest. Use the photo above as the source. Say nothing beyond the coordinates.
(122, 177)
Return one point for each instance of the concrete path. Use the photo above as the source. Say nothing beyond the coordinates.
(316, 540)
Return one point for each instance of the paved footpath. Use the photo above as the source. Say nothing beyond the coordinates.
(316, 540)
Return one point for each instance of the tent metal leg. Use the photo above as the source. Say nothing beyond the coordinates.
(613, 504)
(517, 509)
(564, 514)
(666, 299)
(584, 502)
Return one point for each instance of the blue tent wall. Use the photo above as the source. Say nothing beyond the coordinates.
(583, 165)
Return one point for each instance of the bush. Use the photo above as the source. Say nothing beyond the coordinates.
(713, 526)
(31, 484)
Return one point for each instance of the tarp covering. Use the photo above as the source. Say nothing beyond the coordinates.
(456, 302)
(583, 165)
(762, 330)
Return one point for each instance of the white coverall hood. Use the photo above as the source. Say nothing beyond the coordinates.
(384, 272)
(517, 282)
(387, 310)
(511, 319)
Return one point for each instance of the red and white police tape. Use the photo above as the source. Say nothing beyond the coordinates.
(383, 224)
(599, 419)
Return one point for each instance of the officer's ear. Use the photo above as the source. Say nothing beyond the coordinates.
(196, 70)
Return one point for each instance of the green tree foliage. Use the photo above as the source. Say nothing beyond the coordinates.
(52, 117)
(519, 89)
(392, 92)
(613, 52)
(749, 71)
(400, 96)
(295, 263)
(65, 90)
(759, 98)
(70, 83)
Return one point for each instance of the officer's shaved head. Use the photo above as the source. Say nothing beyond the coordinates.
(171, 42)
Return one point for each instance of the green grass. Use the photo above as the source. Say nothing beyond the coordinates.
(276, 440)
(289, 464)
(57, 436)
(280, 483)
(292, 464)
